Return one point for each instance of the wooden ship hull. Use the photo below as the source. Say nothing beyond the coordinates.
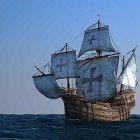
(116, 109)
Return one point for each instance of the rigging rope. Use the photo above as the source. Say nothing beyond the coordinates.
(61, 50)
(75, 38)
(114, 43)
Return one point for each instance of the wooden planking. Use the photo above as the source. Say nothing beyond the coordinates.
(116, 110)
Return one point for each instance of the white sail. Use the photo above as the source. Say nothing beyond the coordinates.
(64, 65)
(128, 77)
(97, 39)
(98, 77)
(47, 85)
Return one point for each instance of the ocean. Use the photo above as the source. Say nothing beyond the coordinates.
(56, 127)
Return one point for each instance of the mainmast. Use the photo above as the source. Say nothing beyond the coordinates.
(98, 76)
(98, 16)
(123, 63)
(98, 51)
(68, 82)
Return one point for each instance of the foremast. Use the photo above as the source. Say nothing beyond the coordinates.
(64, 66)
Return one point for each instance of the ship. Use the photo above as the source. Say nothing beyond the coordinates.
(97, 84)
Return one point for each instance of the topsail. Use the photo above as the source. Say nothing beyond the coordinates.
(96, 39)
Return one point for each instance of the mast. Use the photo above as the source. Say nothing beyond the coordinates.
(98, 16)
(98, 51)
(68, 82)
(122, 71)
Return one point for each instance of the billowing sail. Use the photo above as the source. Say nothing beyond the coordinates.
(96, 39)
(98, 77)
(128, 76)
(64, 65)
(47, 85)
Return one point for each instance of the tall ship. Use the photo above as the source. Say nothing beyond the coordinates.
(97, 84)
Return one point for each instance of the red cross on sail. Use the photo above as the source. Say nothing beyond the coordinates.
(61, 65)
(92, 39)
(92, 79)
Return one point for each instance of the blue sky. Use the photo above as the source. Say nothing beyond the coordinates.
(31, 30)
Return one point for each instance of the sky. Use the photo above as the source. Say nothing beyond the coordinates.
(31, 30)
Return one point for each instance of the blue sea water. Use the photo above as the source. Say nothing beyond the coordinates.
(56, 127)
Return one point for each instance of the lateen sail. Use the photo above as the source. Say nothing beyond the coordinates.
(128, 76)
(98, 77)
(96, 39)
(47, 85)
(64, 65)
